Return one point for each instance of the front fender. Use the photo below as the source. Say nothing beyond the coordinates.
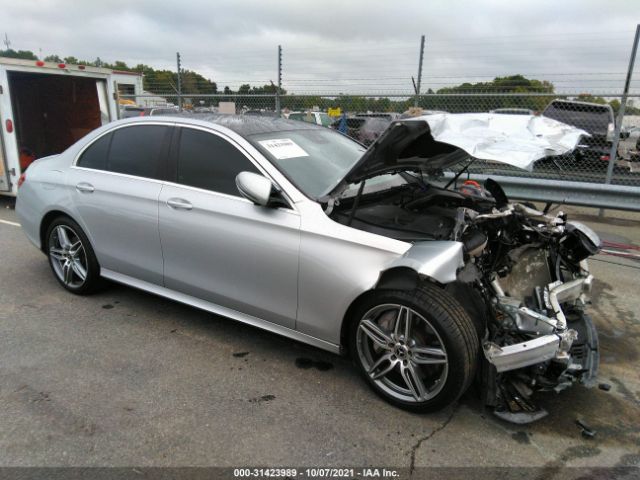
(438, 260)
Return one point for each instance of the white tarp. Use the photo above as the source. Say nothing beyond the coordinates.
(517, 140)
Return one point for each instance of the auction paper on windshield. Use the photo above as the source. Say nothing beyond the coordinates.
(283, 148)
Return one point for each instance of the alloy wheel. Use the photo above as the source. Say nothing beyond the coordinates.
(68, 256)
(402, 353)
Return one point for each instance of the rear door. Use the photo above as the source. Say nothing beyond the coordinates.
(217, 245)
(115, 187)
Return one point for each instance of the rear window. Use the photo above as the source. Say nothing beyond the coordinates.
(137, 150)
(164, 111)
(133, 112)
(355, 122)
(594, 119)
(95, 156)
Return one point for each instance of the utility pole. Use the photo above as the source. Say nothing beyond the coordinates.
(278, 108)
(6, 41)
(415, 103)
(179, 82)
(623, 103)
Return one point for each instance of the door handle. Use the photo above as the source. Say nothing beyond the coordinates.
(179, 204)
(85, 187)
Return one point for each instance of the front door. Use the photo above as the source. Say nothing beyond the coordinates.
(220, 247)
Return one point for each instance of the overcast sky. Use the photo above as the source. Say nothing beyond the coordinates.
(346, 45)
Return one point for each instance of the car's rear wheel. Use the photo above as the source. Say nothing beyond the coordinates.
(71, 257)
(417, 349)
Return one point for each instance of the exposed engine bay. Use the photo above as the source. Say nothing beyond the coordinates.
(525, 282)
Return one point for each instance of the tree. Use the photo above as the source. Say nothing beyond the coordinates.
(24, 54)
(53, 58)
(512, 84)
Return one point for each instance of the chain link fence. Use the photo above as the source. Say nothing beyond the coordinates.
(368, 116)
(606, 160)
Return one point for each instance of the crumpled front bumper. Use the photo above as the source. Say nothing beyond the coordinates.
(555, 345)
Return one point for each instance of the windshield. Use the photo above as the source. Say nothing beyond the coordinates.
(315, 160)
(325, 119)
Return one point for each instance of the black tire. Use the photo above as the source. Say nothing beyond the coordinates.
(92, 281)
(456, 332)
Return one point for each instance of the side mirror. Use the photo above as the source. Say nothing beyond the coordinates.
(254, 187)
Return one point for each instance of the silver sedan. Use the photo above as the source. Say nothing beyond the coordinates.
(299, 230)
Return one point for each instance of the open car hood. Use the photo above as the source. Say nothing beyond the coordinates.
(433, 142)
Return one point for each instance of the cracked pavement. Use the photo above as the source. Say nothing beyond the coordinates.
(125, 378)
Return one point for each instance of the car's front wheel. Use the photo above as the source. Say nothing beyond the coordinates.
(71, 257)
(417, 349)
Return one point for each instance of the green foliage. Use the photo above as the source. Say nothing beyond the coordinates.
(164, 82)
(24, 54)
(512, 84)
(509, 84)
(53, 58)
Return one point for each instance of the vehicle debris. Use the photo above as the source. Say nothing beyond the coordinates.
(586, 430)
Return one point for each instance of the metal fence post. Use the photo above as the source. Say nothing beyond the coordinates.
(116, 94)
(623, 104)
(415, 102)
(179, 81)
(278, 109)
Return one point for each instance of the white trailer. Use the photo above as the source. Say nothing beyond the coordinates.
(45, 107)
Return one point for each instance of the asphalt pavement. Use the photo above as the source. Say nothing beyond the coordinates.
(126, 378)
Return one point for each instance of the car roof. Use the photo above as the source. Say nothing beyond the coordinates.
(576, 102)
(245, 125)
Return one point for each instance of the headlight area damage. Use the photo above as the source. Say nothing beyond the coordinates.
(521, 274)
(535, 283)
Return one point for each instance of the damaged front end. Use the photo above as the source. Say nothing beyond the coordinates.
(535, 282)
(521, 274)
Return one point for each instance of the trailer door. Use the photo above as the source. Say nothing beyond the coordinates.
(4, 172)
(53, 111)
(103, 100)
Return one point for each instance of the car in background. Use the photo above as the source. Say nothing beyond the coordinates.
(129, 111)
(262, 113)
(419, 112)
(318, 118)
(386, 115)
(513, 111)
(629, 145)
(595, 119)
(629, 150)
(363, 129)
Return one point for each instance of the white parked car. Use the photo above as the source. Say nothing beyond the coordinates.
(318, 118)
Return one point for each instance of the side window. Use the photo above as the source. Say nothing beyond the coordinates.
(210, 162)
(138, 150)
(95, 156)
